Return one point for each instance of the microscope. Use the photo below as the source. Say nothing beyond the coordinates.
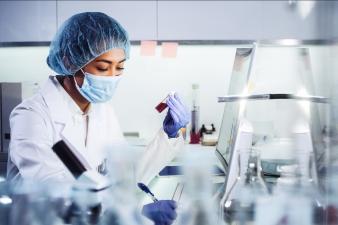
(87, 191)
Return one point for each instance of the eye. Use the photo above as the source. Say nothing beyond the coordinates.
(102, 69)
(120, 68)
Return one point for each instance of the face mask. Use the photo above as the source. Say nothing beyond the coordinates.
(98, 89)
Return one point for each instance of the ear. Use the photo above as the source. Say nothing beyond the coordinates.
(79, 77)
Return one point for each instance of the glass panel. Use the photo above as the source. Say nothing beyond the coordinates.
(279, 128)
(239, 78)
(280, 111)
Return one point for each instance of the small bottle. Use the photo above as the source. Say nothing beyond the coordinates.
(213, 127)
(203, 130)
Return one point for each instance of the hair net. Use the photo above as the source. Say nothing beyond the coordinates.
(82, 38)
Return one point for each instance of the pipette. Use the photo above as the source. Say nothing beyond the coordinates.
(146, 190)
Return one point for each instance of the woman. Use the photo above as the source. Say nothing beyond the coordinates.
(88, 54)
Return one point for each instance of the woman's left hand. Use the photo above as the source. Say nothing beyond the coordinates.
(178, 116)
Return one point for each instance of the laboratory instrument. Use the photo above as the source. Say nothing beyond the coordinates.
(88, 189)
(272, 138)
(146, 190)
(195, 134)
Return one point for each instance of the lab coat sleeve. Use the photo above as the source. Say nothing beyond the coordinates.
(159, 153)
(30, 147)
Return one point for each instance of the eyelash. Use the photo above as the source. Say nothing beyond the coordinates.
(103, 70)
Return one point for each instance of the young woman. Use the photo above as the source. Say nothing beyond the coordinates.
(88, 53)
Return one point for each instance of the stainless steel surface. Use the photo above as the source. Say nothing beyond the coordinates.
(247, 43)
(3, 164)
(297, 42)
(233, 98)
(11, 96)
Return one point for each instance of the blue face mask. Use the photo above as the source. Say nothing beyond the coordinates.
(98, 89)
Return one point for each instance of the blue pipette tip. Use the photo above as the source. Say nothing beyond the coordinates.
(144, 188)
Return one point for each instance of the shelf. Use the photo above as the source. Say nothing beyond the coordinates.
(234, 98)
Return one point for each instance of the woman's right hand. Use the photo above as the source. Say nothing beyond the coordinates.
(162, 212)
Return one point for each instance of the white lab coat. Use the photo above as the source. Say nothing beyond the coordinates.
(42, 120)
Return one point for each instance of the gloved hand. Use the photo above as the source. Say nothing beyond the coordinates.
(161, 212)
(177, 117)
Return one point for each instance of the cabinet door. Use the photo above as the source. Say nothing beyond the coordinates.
(137, 17)
(242, 20)
(291, 20)
(208, 20)
(27, 21)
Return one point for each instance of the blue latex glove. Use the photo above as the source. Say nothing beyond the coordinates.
(177, 117)
(161, 212)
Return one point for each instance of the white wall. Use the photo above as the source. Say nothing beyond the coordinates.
(24, 64)
(146, 82)
(149, 79)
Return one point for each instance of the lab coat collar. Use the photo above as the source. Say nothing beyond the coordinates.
(54, 101)
(57, 104)
(62, 114)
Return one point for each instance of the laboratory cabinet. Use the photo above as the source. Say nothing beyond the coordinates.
(137, 17)
(208, 20)
(37, 21)
(27, 21)
(242, 20)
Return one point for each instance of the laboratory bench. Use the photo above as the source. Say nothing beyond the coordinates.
(170, 179)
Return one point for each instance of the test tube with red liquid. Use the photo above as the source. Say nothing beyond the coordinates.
(163, 104)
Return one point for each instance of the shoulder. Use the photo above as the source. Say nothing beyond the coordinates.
(32, 105)
(30, 115)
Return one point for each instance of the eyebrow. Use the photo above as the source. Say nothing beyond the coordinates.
(109, 62)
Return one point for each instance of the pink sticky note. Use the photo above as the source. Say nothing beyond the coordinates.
(148, 48)
(169, 49)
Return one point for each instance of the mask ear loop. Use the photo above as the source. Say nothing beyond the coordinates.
(79, 88)
(75, 79)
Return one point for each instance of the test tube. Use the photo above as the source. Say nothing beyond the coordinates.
(163, 104)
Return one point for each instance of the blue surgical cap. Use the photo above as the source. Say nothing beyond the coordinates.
(82, 38)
